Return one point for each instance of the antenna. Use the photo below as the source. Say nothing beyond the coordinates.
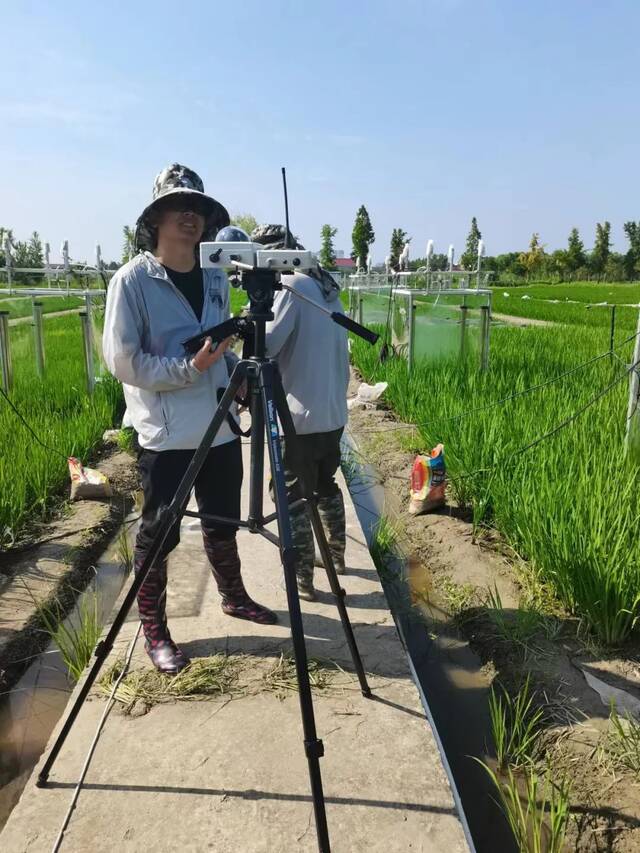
(287, 239)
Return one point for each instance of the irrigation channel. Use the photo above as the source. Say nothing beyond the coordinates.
(31, 709)
(446, 671)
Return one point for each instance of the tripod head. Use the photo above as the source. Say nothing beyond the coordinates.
(260, 285)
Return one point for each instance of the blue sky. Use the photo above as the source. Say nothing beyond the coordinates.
(525, 115)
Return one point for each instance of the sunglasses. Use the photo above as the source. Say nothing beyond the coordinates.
(185, 203)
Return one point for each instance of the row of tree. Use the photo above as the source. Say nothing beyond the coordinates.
(26, 253)
(574, 262)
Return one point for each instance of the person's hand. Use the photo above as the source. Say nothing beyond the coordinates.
(205, 357)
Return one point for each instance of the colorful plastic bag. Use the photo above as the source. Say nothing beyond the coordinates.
(87, 483)
(428, 482)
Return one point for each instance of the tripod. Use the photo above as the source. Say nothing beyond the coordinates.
(268, 403)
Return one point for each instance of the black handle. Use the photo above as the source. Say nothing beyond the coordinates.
(356, 328)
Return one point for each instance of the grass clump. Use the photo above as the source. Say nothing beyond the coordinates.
(622, 743)
(537, 809)
(203, 678)
(515, 726)
(76, 635)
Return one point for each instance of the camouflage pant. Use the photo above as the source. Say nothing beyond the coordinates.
(313, 460)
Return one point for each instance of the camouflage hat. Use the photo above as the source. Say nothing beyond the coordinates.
(177, 179)
(273, 236)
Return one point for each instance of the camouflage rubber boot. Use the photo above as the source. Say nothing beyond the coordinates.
(302, 535)
(331, 511)
(225, 566)
(152, 596)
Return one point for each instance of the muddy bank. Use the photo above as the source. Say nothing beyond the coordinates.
(56, 563)
(493, 625)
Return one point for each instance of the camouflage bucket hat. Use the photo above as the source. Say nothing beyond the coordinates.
(174, 180)
(273, 237)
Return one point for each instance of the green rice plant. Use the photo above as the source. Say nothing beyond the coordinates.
(536, 809)
(569, 506)
(124, 549)
(515, 725)
(66, 419)
(76, 635)
(622, 743)
(516, 627)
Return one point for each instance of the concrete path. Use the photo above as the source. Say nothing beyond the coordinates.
(230, 774)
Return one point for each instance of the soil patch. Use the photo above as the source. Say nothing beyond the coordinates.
(55, 563)
(470, 583)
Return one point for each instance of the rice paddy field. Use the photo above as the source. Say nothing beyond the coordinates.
(574, 304)
(569, 506)
(22, 306)
(61, 413)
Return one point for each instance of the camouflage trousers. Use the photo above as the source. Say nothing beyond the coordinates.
(310, 466)
(331, 511)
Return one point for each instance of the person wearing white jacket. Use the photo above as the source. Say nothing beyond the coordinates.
(154, 302)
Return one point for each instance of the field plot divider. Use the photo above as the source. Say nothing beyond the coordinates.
(632, 435)
(38, 337)
(5, 353)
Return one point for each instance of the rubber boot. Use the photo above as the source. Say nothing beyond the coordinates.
(302, 536)
(152, 595)
(331, 511)
(225, 565)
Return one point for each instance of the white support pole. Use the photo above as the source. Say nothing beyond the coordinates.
(464, 310)
(6, 368)
(485, 331)
(480, 257)
(88, 352)
(65, 261)
(8, 259)
(38, 337)
(411, 322)
(632, 438)
(47, 264)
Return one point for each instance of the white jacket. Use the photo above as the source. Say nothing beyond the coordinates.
(169, 402)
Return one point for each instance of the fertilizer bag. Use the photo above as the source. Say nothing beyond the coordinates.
(87, 483)
(428, 482)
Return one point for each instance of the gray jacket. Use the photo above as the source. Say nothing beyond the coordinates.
(312, 355)
(169, 401)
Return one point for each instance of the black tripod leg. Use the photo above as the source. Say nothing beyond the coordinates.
(169, 517)
(321, 538)
(313, 746)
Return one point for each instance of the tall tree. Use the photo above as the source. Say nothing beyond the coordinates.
(632, 258)
(576, 257)
(469, 257)
(246, 221)
(601, 247)
(128, 243)
(533, 259)
(36, 259)
(362, 235)
(327, 252)
(398, 239)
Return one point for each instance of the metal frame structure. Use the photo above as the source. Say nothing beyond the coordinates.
(426, 283)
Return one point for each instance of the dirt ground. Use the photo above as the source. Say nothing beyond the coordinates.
(453, 570)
